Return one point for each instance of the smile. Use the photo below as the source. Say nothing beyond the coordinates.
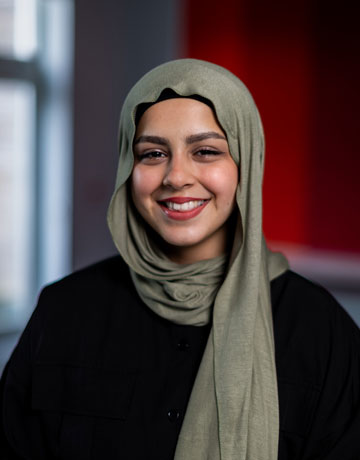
(181, 208)
(188, 206)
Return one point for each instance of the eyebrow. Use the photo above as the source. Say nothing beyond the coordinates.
(189, 139)
(203, 136)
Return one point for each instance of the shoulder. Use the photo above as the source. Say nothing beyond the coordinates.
(86, 297)
(87, 316)
(292, 290)
(93, 284)
(110, 271)
(310, 328)
(297, 299)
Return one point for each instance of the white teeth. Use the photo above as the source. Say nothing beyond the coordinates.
(188, 206)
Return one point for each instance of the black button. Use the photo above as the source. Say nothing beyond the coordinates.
(173, 415)
(183, 345)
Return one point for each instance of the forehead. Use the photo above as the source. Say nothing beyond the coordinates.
(180, 114)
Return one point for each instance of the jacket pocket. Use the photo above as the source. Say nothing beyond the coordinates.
(82, 391)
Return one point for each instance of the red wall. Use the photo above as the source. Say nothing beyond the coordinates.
(301, 61)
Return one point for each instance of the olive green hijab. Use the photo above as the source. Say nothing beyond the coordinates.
(233, 408)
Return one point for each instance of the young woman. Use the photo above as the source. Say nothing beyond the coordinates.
(196, 342)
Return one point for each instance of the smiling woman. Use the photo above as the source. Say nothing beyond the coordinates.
(196, 342)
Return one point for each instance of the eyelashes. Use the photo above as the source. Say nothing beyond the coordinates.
(156, 155)
(210, 152)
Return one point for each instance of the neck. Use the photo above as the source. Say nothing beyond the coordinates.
(192, 254)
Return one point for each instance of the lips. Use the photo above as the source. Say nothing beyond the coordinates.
(182, 208)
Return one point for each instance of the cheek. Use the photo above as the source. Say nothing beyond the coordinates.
(223, 183)
(136, 184)
(143, 183)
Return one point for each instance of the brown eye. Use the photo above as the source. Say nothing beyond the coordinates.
(154, 154)
(207, 153)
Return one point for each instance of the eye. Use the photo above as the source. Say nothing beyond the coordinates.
(207, 153)
(152, 156)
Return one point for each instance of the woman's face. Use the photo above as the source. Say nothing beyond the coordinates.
(184, 179)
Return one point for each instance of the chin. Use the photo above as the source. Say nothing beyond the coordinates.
(181, 242)
(182, 238)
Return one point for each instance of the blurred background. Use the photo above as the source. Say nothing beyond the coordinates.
(65, 69)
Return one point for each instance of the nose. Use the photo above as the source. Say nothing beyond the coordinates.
(179, 173)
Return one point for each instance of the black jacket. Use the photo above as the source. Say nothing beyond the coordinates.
(98, 375)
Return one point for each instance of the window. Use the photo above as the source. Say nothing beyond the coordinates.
(35, 151)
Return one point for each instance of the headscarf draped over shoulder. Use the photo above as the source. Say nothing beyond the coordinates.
(233, 408)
